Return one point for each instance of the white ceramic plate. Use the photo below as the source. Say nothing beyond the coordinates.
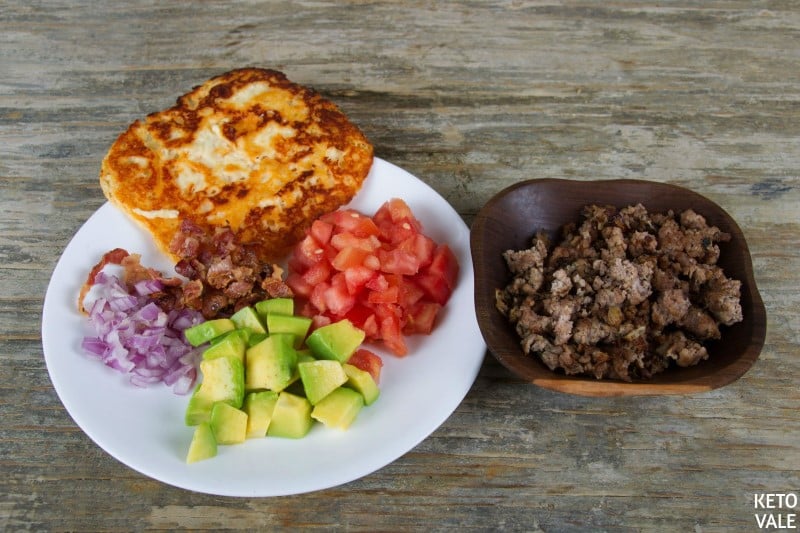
(143, 428)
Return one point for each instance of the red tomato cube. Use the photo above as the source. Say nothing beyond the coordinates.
(368, 362)
(444, 265)
(321, 231)
(357, 277)
(422, 318)
(349, 258)
(398, 262)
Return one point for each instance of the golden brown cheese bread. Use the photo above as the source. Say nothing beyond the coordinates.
(248, 149)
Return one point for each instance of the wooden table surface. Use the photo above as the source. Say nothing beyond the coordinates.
(470, 97)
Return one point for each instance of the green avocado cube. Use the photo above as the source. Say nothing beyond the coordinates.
(223, 381)
(336, 341)
(232, 344)
(198, 410)
(339, 408)
(291, 417)
(320, 378)
(259, 407)
(255, 338)
(304, 355)
(361, 381)
(277, 306)
(229, 424)
(203, 445)
(271, 364)
(246, 317)
(206, 331)
(294, 325)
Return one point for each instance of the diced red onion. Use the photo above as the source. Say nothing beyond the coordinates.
(148, 286)
(135, 336)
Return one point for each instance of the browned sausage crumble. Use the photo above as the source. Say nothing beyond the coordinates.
(623, 294)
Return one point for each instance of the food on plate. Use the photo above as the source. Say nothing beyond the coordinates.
(220, 278)
(260, 382)
(131, 332)
(248, 150)
(337, 341)
(203, 445)
(339, 408)
(223, 275)
(623, 294)
(382, 273)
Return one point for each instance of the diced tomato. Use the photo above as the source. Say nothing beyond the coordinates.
(372, 261)
(337, 299)
(345, 239)
(359, 314)
(349, 258)
(396, 210)
(395, 233)
(357, 277)
(317, 273)
(410, 294)
(317, 321)
(378, 283)
(370, 328)
(444, 265)
(392, 336)
(435, 287)
(380, 272)
(321, 231)
(390, 296)
(368, 362)
(384, 310)
(398, 262)
(354, 222)
(421, 318)
(420, 246)
(309, 251)
(317, 296)
(298, 285)
(364, 318)
(308, 310)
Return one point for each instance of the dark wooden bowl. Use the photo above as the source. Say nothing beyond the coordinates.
(511, 218)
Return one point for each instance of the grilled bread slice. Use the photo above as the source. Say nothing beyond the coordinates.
(249, 150)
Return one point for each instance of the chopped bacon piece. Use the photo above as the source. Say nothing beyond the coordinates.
(112, 257)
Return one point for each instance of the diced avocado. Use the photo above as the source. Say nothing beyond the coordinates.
(223, 381)
(205, 331)
(259, 407)
(277, 306)
(339, 408)
(255, 338)
(320, 378)
(295, 325)
(246, 317)
(271, 363)
(305, 355)
(198, 410)
(232, 344)
(203, 445)
(362, 382)
(229, 424)
(291, 417)
(335, 341)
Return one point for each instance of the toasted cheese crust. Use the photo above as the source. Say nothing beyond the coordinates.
(248, 149)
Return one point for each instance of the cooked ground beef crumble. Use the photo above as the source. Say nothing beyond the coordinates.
(623, 294)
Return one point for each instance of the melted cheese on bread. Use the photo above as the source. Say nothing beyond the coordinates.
(248, 149)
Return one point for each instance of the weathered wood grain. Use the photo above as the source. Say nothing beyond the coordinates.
(471, 97)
